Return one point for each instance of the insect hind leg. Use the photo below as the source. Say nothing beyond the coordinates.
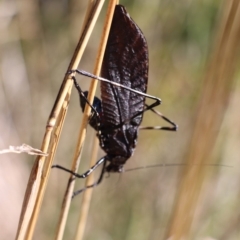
(148, 107)
(174, 126)
(87, 74)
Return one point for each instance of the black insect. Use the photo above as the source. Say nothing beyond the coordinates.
(117, 117)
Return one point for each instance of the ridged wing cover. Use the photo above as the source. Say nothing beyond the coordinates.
(125, 62)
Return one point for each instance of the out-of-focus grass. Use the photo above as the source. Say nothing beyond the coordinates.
(37, 40)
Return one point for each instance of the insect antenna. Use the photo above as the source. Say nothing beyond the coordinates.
(175, 165)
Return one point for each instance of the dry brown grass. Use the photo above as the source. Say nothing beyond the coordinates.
(187, 42)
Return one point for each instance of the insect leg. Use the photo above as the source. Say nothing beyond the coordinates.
(94, 184)
(148, 107)
(81, 94)
(173, 128)
(87, 74)
(84, 175)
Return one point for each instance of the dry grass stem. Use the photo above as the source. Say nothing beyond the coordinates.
(76, 160)
(189, 186)
(38, 179)
(213, 102)
(88, 193)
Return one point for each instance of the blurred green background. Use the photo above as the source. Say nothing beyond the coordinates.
(37, 42)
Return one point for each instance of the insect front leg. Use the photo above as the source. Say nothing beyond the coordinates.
(94, 184)
(84, 175)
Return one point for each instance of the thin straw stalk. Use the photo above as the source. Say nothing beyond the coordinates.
(213, 103)
(82, 133)
(37, 181)
(88, 193)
